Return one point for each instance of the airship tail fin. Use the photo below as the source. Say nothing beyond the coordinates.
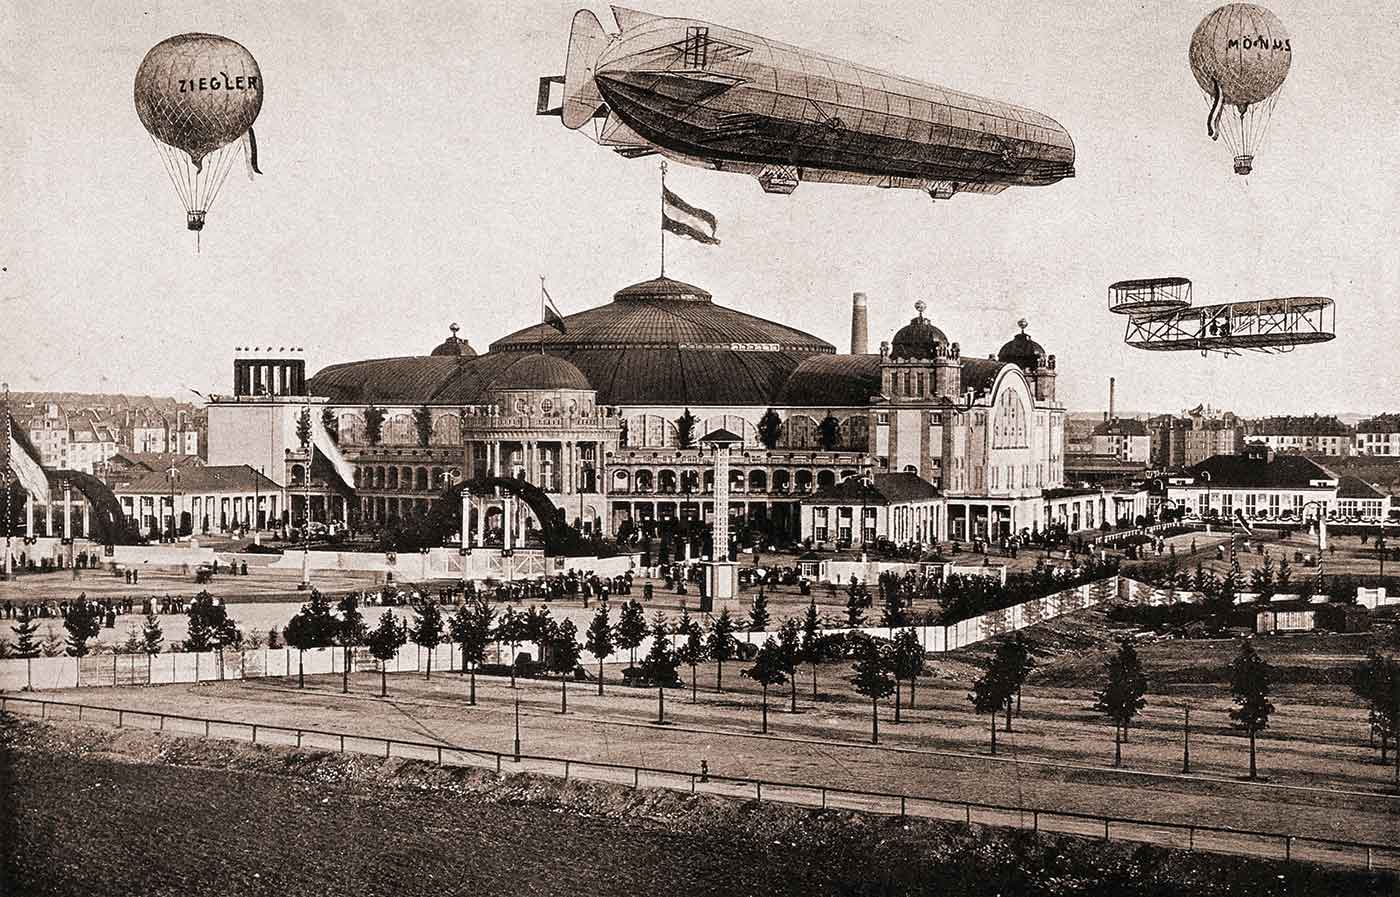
(630, 18)
(587, 40)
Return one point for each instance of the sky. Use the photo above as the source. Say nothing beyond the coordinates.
(408, 185)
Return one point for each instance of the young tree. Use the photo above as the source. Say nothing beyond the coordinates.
(274, 640)
(209, 624)
(692, 651)
(721, 644)
(660, 663)
(758, 613)
(423, 424)
(564, 653)
(871, 677)
(685, 430)
(83, 623)
(1249, 686)
(599, 639)
(770, 429)
(1123, 695)
(428, 631)
(384, 643)
(25, 628)
(855, 609)
(350, 631)
(374, 423)
(767, 671)
(304, 428)
(790, 654)
(1014, 663)
(1374, 683)
(330, 424)
(989, 694)
(310, 628)
(631, 630)
(151, 639)
(906, 662)
(829, 432)
(132, 645)
(471, 629)
(813, 642)
(510, 631)
(893, 615)
(26, 645)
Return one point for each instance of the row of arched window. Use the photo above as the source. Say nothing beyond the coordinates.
(403, 479)
(668, 481)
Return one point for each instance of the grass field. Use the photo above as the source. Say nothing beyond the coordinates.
(1322, 777)
(105, 811)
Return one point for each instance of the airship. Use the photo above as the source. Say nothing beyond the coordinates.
(726, 100)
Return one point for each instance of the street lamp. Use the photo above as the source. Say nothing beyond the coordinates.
(517, 722)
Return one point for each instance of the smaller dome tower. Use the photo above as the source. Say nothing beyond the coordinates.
(1030, 357)
(920, 364)
(454, 346)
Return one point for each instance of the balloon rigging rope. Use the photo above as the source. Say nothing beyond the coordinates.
(227, 160)
(170, 170)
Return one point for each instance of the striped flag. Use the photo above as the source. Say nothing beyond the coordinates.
(683, 219)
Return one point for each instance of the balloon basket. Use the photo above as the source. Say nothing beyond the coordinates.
(195, 220)
(1244, 164)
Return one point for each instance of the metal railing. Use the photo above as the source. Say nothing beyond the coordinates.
(1188, 836)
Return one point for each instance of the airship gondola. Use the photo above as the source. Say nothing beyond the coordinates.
(727, 100)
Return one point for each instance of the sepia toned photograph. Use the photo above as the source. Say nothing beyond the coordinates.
(862, 448)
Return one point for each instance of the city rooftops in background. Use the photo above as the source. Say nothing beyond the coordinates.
(1290, 425)
(1381, 423)
(1122, 426)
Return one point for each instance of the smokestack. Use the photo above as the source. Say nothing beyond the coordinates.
(1111, 388)
(860, 325)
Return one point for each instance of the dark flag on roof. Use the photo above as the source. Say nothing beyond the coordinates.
(551, 314)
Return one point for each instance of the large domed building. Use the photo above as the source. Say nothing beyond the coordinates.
(602, 412)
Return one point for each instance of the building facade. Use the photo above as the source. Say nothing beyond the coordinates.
(603, 414)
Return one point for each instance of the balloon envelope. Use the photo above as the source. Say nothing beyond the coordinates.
(1245, 50)
(198, 92)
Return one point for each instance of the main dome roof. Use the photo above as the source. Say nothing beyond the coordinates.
(659, 342)
(666, 342)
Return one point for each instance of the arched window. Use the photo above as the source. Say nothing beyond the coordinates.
(620, 479)
(420, 479)
(758, 481)
(782, 480)
(391, 480)
(645, 481)
(736, 481)
(666, 481)
(826, 479)
(804, 480)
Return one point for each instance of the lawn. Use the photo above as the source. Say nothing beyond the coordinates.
(102, 811)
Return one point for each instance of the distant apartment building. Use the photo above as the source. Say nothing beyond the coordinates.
(1379, 435)
(1126, 439)
(1200, 433)
(1310, 435)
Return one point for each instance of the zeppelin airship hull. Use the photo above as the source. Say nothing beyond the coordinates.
(733, 101)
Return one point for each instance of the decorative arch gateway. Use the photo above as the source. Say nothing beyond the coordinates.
(104, 510)
(559, 537)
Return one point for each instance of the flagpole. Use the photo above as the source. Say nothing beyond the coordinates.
(663, 217)
(543, 316)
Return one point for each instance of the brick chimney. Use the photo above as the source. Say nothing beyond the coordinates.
(860, 325)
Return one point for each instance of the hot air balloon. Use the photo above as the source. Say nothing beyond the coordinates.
(198, 96)
(1240, 55)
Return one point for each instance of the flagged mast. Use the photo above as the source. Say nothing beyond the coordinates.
(26, 468)
(684, 220)
(549, 313)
